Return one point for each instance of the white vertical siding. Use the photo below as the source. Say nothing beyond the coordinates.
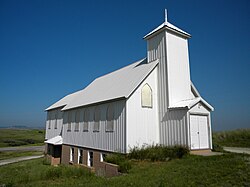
(173, 124)
(178, 69)
(142, 122)
(174, 130)
(52, 132)
(108, 141)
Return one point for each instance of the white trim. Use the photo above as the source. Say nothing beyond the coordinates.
(102, 157)
(79, 151)
(71, 156)
(208, 128)
(88, 161)
(194, 90)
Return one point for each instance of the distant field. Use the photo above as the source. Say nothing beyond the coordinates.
(223, 170)
(19, 137)
(13, 154)
(235, 138)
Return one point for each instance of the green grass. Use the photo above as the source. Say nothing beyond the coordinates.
(224, 170)
(13, 154)
(20, 137)
(235, 138)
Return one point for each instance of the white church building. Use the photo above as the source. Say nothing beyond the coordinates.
(151, 101)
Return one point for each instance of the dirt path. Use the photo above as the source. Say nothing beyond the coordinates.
(237, 149)
(18, 159)
(28, 148)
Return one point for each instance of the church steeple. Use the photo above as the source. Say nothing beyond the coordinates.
(167, 26)
(166, 15)
(169, 44)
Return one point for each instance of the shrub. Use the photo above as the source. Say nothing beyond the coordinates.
(29, 141)
(46, 161)
(53, 173)
(120, 160)
(15, 142)
(217, 147)
(64, 172)
(73, 171)
(157, 152)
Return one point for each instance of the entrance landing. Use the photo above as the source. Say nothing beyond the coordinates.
(205, 153)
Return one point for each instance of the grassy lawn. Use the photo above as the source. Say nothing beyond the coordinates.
(19, 137)
(13, 154)
(235, 138)
(223, 170)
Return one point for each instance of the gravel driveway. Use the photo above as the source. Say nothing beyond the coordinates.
(237, 149)
(28, 148)
(18, 159)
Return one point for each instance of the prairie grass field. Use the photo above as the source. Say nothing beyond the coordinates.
(223, 170)
(21, 137)
(234, 138)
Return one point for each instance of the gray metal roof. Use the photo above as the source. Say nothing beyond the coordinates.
(118, 84)
(190, 103)
(64, 101)
(169, 26)
(57, 140)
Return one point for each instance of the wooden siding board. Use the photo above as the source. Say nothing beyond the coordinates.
(173, 124)
(109, 141)
(52, 132)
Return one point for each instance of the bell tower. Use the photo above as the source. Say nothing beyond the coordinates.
(169, 44)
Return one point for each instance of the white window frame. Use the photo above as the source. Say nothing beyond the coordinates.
(146, 100)
(72, 154)
(89, 159)
(79, 155)
(102, 156)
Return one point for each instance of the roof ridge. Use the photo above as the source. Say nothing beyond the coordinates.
(115, 71)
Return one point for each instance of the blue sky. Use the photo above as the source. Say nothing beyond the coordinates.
(49, 49)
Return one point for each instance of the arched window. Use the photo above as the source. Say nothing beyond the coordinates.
(110, 118)
(77, 120)
(97, 117)
(146, 96)
(69, 121)
(55, 121)
(49, 120)
(86, 120)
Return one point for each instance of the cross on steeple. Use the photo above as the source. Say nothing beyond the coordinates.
(166, 15)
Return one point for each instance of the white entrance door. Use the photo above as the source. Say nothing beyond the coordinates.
(199, 132)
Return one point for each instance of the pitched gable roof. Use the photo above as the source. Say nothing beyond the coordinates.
(63, 102)
(190, 103)
(168, 26)
(118, 84)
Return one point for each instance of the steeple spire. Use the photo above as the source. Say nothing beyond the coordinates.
(166, 15)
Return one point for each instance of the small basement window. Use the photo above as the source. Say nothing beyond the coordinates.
(80, 156)
(72, 154)
(102, 157)
(90, 158)
(146, 96)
